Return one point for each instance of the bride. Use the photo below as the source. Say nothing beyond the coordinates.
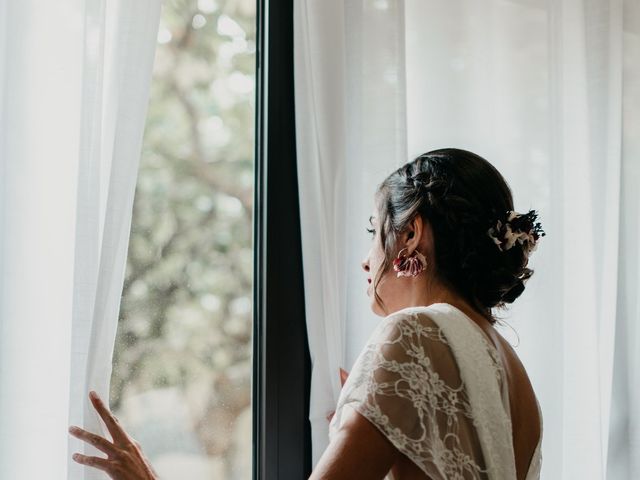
(437, 392)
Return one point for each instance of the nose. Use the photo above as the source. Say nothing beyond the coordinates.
(365, 264)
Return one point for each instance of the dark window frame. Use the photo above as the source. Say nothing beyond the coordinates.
(282, 364)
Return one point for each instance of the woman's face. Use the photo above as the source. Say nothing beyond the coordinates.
(387, 287)
(375, 256)
(395, 292)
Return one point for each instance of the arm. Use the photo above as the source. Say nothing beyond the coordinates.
(359, 450)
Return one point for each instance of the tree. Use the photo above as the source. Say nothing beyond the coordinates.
(186, 312)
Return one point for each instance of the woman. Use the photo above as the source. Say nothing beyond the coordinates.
(436, 393)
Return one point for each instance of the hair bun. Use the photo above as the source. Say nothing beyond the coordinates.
(514, 292)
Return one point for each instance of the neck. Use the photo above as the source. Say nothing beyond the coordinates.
(427, 291)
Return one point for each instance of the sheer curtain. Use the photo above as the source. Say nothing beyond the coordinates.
(345, 143)
(548, 92)
(74, 81)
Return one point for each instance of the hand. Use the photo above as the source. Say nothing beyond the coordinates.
(343, 378)
(125, 459)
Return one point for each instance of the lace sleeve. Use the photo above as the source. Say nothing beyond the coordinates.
(407, 383)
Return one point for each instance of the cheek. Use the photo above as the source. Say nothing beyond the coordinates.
(376, 259)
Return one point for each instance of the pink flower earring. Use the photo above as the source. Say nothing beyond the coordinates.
(411, 265)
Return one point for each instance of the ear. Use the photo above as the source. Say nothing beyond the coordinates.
(412, 237)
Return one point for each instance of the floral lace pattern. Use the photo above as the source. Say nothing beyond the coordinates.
(432, 383)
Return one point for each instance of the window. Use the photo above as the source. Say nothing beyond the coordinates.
(183, 356)
(211, 365)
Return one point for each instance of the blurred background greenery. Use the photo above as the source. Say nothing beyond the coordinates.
(181, 380)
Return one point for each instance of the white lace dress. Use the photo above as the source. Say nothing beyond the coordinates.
(433, 384)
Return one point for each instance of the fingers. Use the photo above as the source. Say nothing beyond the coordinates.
(125, 457)
(99, 442)
(343, 376)
(96, 462)
(343, 379)
(116, 431)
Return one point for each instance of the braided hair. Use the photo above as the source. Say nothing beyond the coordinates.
(461, 195)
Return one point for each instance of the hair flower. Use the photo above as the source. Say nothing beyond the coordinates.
(518, 227)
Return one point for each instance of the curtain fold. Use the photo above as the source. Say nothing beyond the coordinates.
(120, 39)
(320, 126)
(74, 82)
(546, 91)
(350, 123)
(624, 431)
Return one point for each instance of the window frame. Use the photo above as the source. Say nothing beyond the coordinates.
(281, 360)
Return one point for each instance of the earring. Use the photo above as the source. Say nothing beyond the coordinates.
(409, 266)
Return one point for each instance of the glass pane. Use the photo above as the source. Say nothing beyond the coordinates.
(181, 381)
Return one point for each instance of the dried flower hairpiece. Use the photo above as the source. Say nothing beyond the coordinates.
(519, 227)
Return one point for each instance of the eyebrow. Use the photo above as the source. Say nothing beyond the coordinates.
(370, 218)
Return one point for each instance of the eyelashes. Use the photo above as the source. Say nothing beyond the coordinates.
(371, 231)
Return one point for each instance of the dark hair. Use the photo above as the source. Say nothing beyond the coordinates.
(461, 195)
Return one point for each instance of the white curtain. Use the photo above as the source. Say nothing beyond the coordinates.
(320, 128)
(549, 93)
(74, 83)
(344, 144)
